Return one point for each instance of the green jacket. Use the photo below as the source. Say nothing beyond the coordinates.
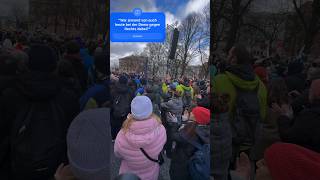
(224, 83)
(186, 88)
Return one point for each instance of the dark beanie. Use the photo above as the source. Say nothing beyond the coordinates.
(295, 68)
(123, 80)
(72, 47)
(42, 58)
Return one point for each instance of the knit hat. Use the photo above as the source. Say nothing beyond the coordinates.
(89, 143)
(289, 161)
(42, 58)
(202, 115)
(141, 107)
(123, 80)
(315, 89)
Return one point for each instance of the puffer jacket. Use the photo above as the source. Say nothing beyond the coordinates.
(147, 134)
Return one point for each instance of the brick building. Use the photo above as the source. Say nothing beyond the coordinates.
(132, 64)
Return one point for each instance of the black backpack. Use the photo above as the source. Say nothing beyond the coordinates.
(38, 143)
(121, 106)
(246, 124)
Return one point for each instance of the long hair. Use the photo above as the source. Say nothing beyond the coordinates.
(128, 122)
(189, 130)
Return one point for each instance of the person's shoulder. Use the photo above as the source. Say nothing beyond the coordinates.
(221, 76)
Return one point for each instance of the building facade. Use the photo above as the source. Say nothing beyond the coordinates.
(132, 64)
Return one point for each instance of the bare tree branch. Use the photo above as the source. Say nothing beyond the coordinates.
(301, 16)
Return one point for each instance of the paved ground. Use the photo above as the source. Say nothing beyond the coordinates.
(164, 169)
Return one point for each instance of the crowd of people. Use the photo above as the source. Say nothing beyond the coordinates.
(62, 110)
(265, 118)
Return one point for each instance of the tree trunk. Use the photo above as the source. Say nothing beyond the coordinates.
(232, 33)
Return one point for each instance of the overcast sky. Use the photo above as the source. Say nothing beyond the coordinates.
(175, 10)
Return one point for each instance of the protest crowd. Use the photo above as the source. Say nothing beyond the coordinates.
(62, 111)
(265, 117)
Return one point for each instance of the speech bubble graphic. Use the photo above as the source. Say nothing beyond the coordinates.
(137, 26)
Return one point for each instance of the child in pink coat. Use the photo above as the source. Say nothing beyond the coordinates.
(144, 130)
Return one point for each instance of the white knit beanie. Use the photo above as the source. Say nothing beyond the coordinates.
(89, 145)
(141, 108)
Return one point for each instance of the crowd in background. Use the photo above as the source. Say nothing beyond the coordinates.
(62, 110)
(265, 118)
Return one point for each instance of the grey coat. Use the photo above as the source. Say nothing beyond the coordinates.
(221, 146)
(175, 106)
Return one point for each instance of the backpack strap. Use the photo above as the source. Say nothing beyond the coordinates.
(148, 157)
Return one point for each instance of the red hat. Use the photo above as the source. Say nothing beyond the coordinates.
(262, 73)
(202, 115)
(292, 162)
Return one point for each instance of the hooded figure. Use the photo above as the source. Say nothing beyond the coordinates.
(240, 78)
(143, 130)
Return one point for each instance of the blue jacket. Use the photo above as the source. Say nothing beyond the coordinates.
(99, 92)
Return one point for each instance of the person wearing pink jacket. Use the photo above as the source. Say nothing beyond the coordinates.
(142, 129)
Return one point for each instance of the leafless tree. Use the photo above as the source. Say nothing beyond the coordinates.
(237, 10)
(19, 12)
(310, 22)
(189, 32)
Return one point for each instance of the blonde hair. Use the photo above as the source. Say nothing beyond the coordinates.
(127, 123)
